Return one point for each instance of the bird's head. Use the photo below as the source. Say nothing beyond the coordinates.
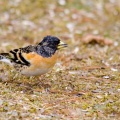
(49, 45)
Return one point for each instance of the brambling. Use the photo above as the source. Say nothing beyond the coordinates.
(34, 60)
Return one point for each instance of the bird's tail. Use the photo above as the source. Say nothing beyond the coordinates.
(5, 57)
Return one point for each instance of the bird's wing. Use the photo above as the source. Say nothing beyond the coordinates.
(17, 55)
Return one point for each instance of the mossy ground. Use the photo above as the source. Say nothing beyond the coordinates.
(85, 83)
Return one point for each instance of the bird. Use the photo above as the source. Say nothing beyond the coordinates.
(34, 60)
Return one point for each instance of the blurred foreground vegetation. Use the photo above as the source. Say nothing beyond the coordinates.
(85, 83)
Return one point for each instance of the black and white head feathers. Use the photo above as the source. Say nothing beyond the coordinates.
(48, 46)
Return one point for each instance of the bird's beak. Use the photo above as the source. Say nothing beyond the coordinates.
(61, 45)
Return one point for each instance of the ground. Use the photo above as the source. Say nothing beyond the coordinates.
(85, 82)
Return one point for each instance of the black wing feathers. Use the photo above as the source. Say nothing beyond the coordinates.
(18, 58)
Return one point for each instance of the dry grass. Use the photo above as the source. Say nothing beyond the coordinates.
(85, 83)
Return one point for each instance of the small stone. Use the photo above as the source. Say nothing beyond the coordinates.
(14, 113)
(99, 96)
(1, 102)
(118, 90)
(62, 2)
(106, 77)
(113, 69)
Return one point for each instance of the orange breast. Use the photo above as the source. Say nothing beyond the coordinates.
(39, 65)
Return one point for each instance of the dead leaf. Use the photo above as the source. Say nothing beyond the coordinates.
(96, 39)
